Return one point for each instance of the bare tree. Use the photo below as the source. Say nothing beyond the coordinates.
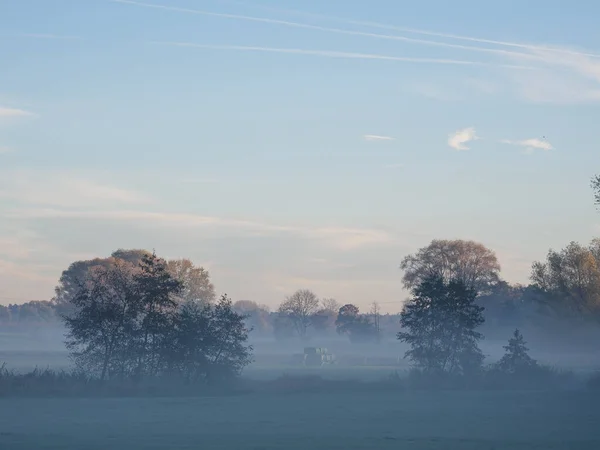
(466, 261)
(299, 308)
(376, 313)
(195, 281)
(330, 304)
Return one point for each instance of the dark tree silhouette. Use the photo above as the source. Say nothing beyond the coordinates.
(105, 308)
(299, 309)
(126, 323)
(208, 341)
(516, 360)
(439, 323)
(357, 327)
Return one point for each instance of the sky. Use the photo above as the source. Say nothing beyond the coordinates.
(287, 144)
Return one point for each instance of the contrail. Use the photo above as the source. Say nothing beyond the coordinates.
(328, 29)
(336, 54)
(418, 31)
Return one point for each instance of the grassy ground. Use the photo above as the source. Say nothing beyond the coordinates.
(386, 420)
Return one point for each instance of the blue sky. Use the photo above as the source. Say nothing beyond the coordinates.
(288, 144)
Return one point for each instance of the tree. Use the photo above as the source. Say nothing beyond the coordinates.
(208, 342)
(228, 353)
(106, 309)
(467, 261)
(299, 308)
(156, 289)
(439, 324)
(358, 328)
(78, 271)
(125, 322)
(570, 280)
(330, 304)
(257, 316)
(516, 360)
(323, 321)
(195, 281)
(376, 314)
(596, 188)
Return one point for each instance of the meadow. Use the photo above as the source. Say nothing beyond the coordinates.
(359, 420)
(285, 413)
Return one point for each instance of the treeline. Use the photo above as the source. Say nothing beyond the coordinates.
(563, 295)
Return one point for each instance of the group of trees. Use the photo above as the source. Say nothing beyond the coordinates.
(449, 280)
(132, 316)
(303, 312)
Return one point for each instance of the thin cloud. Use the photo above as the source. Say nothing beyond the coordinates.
(331, 54)
(64, 190)
(4, 149)
(530, 145)
(422, 32)
(13, 112)
(560, 75)
(460, 138)
(375, 137)
(338, 237)
(331, 30)
(394, 166)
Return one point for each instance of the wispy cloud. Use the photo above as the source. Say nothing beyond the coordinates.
(556, 74)
(530, 145)
(460, 138)
(339, 237)
(63, 189)
(336, 30)
(334, 54)
(4, 149)
(13, 112)
(378, 25)
(394, 166)
(376, 137)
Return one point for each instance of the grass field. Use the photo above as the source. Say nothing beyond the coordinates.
(384, 420)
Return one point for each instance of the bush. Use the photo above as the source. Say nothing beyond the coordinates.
(50, 383)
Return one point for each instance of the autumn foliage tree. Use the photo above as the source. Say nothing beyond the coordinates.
(466, 261)
(125, 322)
(569, 280)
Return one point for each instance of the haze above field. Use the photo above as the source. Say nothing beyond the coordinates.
(283, 150)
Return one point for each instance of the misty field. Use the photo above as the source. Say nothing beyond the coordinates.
(384, 420)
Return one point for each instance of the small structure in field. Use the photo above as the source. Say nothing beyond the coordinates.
(313, 357)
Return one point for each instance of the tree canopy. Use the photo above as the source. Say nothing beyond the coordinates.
(439, 324)
(467, 261)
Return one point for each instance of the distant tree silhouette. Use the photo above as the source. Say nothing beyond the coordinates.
(356, 326)
(516, 360)
(298, 309)
(439, 323)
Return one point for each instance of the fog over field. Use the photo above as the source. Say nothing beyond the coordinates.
(299, 224)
